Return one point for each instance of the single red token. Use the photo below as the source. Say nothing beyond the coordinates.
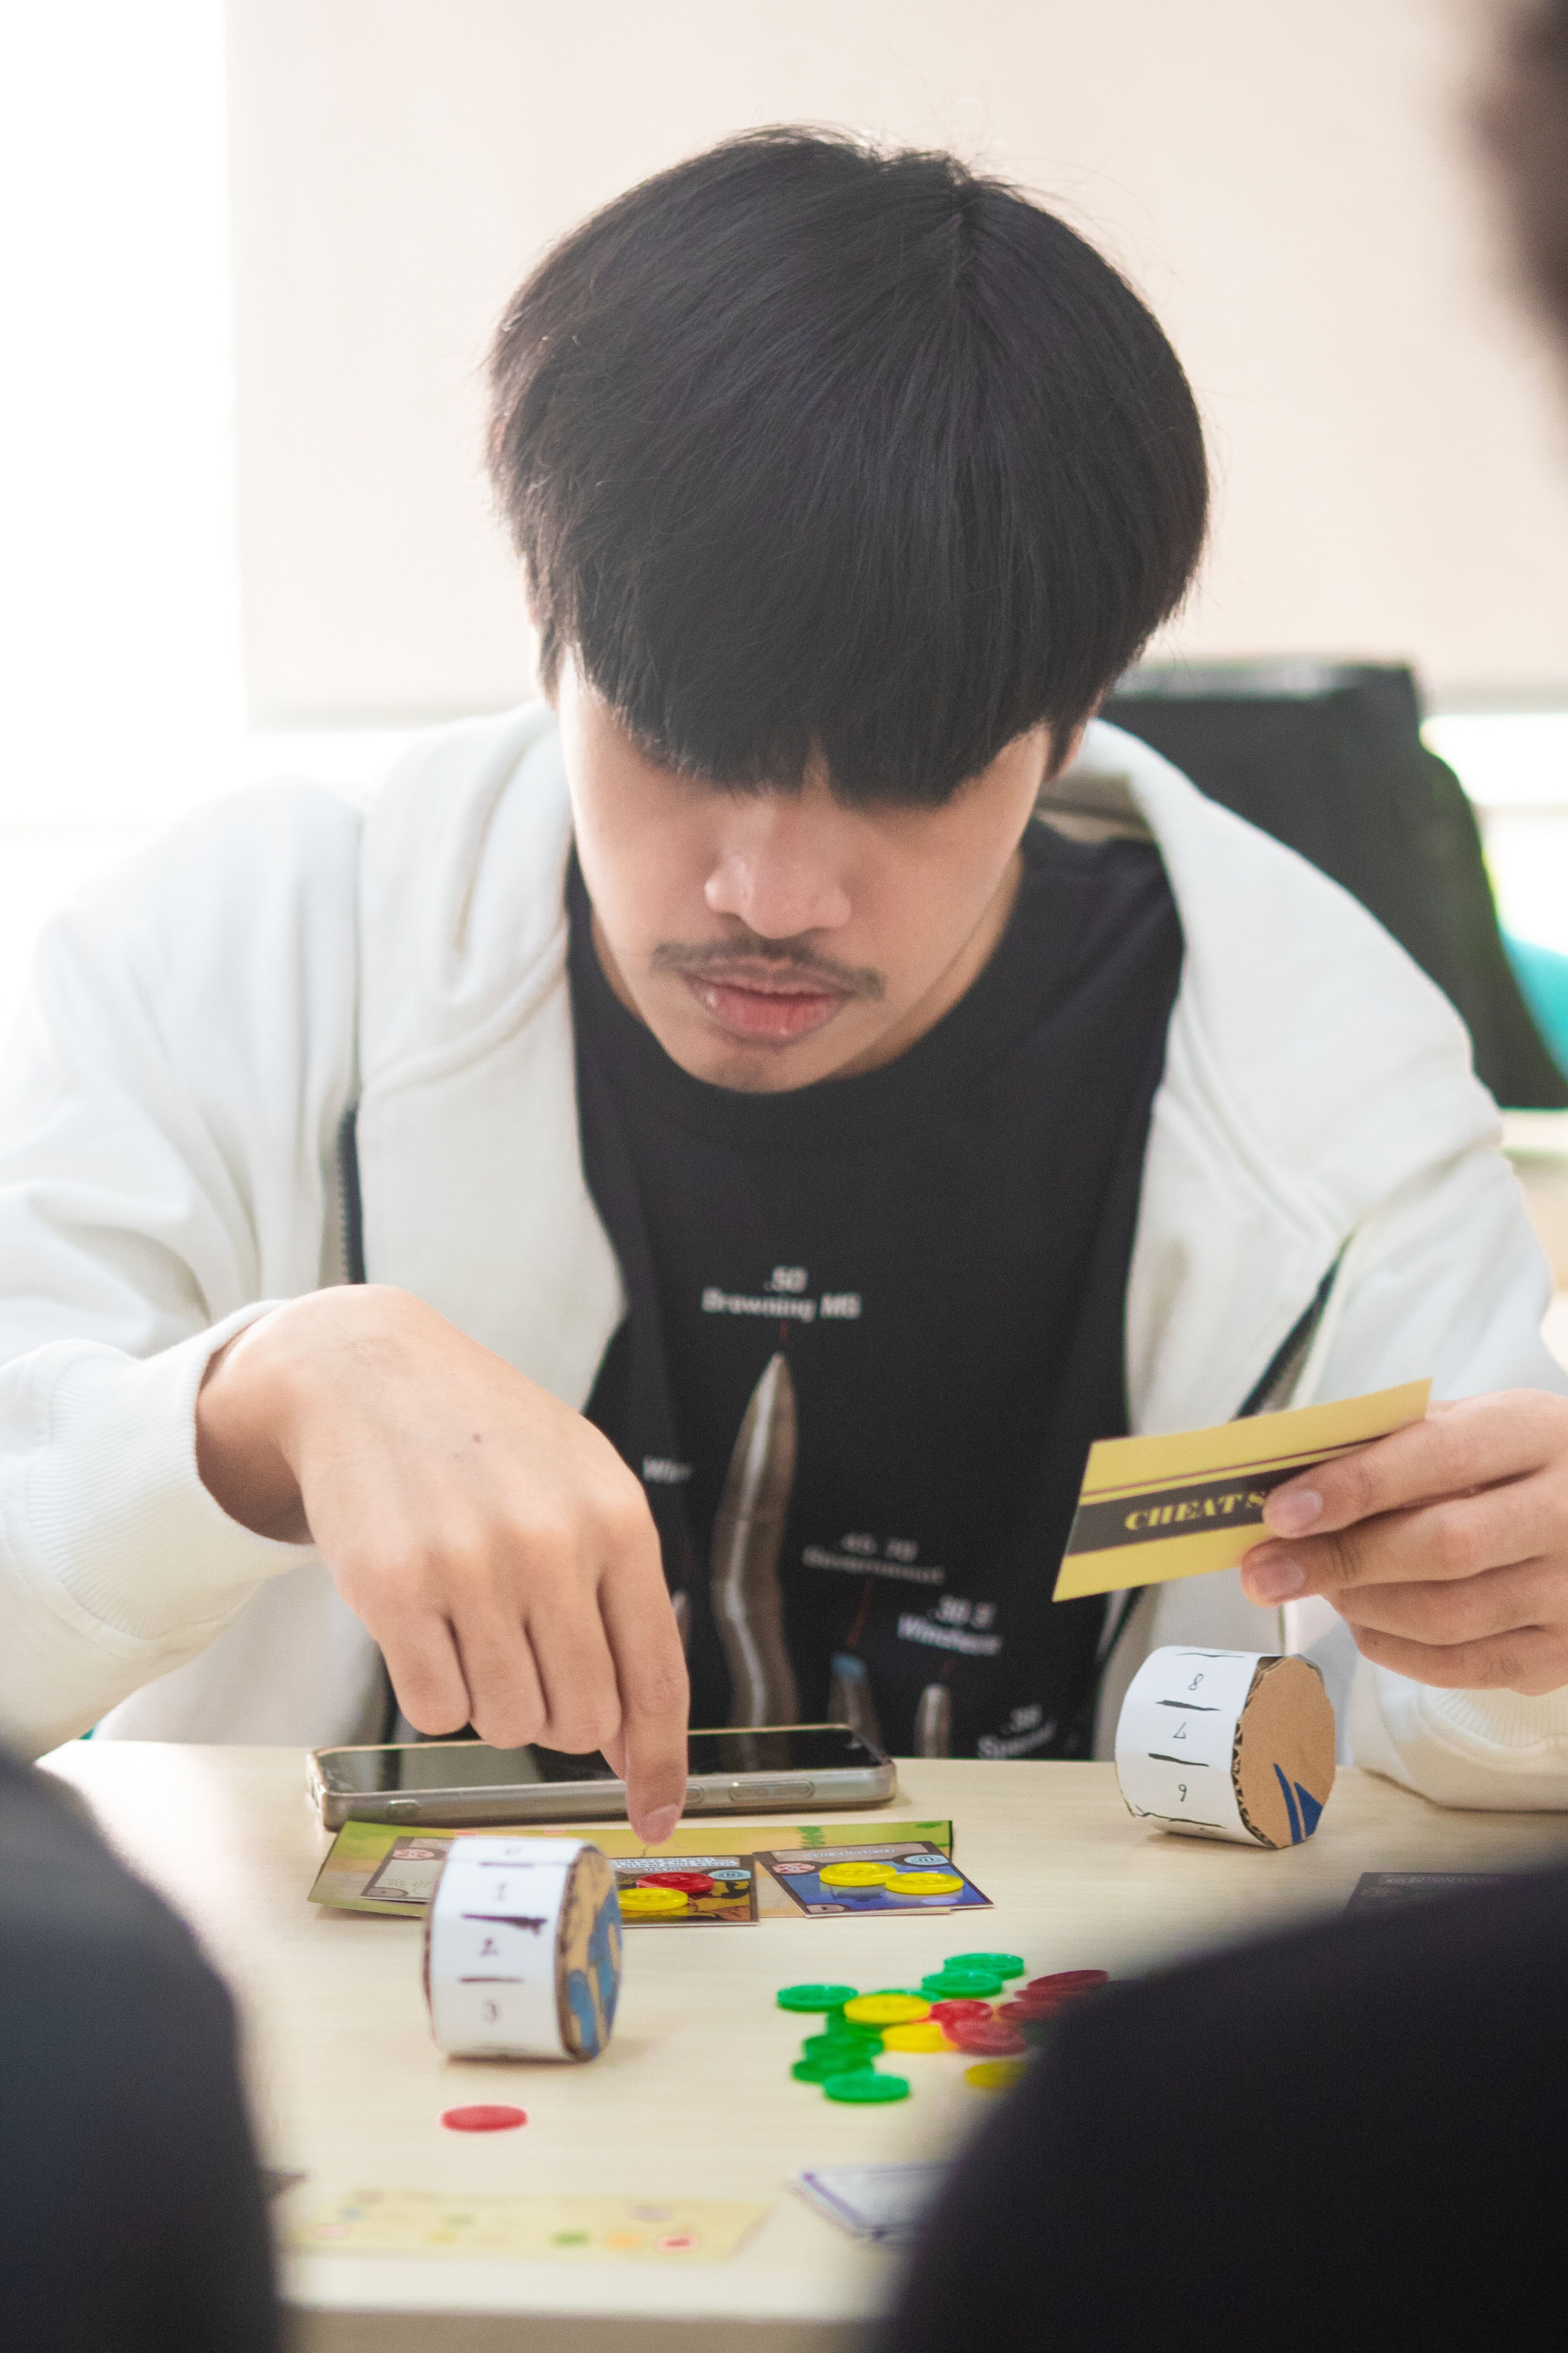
(1066, 1983)
(684, 1882)
(483, 2119)
(950, 2014)
(987, 2037)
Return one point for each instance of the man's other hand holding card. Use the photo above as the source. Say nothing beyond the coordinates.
(1445, 1545)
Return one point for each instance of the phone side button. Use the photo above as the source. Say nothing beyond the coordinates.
(752, 1793)
(403, 1809)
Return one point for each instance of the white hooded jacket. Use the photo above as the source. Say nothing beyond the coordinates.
(199, 1023)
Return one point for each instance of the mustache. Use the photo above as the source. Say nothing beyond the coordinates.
(771, 961)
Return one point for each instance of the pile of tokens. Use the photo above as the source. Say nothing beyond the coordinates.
(866, 1882)
(954, 2010)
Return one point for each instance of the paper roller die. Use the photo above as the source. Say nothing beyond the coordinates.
(1227, 1745)
(522, 1950)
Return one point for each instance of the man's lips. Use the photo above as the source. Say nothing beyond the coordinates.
(775, 1006)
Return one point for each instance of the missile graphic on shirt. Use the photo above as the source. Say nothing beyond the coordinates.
(748, 1534)
(933, 1722)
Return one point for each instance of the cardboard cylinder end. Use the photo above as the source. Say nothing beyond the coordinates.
(1234, 1744)
(1283, 1763)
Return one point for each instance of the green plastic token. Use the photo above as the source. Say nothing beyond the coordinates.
(850, 2048)
(868, 2088)
(1005, 1965)
(816, 1997)
(835, 2063)
(970, 1984)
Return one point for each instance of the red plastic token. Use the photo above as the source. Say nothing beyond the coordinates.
(1065, 1984)
(987, 2037)
(684, 1882)
(954, 2013)
(483, 2119)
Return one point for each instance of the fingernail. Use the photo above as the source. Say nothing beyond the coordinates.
(658, 1826)
(1292, 1513)
(1274, 1580)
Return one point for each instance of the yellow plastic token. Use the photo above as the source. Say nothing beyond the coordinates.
(886, 2009)
(856, 1874)
(923, 1883)
(925, 2034)
(652, 1903)
(996, 2074)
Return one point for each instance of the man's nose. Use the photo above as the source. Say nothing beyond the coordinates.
(776, 871)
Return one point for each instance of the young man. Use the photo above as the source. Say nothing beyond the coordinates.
(775, 1156)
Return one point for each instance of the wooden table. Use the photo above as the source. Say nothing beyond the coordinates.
(694, 2096)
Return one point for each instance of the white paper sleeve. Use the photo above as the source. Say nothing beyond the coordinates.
(1175, 1738)
(522, 1950)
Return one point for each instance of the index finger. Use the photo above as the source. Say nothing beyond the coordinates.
(1458, 1448)
(649, 1751)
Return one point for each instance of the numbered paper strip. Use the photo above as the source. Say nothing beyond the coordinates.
(1155, 1508)
(1175, 1739)
(523, 1950)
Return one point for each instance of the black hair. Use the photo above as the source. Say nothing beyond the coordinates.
(813, 450)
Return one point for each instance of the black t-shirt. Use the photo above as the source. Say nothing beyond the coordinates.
(939, 1249)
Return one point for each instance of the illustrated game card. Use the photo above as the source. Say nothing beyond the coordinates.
(408, 1870)
(883, 2203)
(568, 2227)
(376, 1867)
(680, 1890)
(1380, 1891)
(900, 1875)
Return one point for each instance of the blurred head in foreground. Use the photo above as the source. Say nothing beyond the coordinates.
(1526, 121)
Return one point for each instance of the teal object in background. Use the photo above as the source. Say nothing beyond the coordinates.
(1543, 977)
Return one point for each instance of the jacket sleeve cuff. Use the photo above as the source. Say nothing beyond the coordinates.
(107, 1519)
(1493, 1750)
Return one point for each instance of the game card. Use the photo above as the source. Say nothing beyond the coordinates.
(376, 1867)
(885, 2204)
(566, 2227)
(1155, 1508)
(409, 1871)
(685, 1891)
(1380, 1891)
(830, 1882)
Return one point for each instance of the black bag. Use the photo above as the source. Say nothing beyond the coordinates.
(1329, 759)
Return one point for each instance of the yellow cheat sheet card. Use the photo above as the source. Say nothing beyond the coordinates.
(1154, 1508)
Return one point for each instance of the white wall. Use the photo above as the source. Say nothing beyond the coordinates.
(1291, 183)
(119, 631)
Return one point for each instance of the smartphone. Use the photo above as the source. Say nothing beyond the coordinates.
(454, 1783)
